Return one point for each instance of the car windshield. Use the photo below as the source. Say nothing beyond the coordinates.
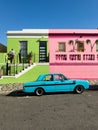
(64, 77)
(39, 78)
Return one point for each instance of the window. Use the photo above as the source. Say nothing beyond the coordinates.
(80, 46)
(61, 47)
(23, 48)
(48, 78)
(59, 77)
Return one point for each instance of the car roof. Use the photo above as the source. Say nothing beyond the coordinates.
(41, 76)
(50, 74)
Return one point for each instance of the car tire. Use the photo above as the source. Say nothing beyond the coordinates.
(79, 89)
(39, 91)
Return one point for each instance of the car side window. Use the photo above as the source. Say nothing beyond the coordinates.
(59, 77)
(63, 77)
(48, 78)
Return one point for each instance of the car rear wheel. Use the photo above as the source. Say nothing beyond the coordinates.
(79, 89)
(39, 91)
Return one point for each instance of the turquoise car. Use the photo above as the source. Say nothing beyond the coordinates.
(56, 82)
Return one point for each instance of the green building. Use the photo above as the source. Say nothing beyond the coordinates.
(3, 50)
(29, 42)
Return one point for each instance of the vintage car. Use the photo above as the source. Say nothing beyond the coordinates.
(56, 82)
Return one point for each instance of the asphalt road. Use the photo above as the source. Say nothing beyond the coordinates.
(49, 112)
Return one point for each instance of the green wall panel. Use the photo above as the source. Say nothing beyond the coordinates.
(33, 46)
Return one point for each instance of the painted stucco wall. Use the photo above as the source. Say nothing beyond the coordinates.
(32, 36)
(33, 45)
(76, 65)
(53, 45)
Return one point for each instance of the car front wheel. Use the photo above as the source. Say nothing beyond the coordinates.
(79, 89)
(39, 91)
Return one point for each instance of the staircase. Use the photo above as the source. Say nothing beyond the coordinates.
(20, 73)
(25, 70)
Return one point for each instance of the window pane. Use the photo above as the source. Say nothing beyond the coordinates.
(61, 47)
(23, 48)
(48, 78)
(80, 46)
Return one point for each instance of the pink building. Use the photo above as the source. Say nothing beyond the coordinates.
(74, 53)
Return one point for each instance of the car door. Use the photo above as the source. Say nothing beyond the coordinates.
(62, 84)
(48, 83)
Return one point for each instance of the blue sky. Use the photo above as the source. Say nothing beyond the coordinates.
(47, 14)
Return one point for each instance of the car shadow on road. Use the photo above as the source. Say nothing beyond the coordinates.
(20, 93)
(93, 87)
